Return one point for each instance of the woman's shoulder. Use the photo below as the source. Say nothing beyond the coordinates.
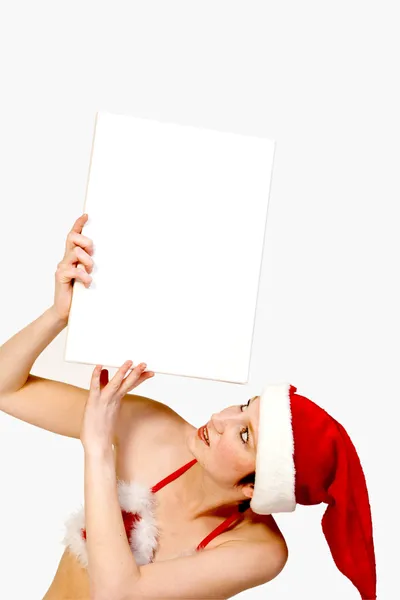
(142, 413)
(144, 448)
(259, 528)
(262, 532)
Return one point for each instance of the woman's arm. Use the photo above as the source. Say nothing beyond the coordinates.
(111, 565)
(55, 406)
(18, 354)
(217, 573)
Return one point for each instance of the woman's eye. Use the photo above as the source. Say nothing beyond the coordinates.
(247, 432)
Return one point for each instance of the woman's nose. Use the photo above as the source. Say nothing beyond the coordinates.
(217, 422)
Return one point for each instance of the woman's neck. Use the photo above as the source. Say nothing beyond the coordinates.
(199, 495)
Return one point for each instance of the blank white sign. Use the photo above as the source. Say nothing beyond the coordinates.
(177, 215)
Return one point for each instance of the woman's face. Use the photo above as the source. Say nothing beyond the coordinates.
(232, 437)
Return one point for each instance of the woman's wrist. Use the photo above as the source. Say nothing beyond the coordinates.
(98, 451)
(60, 320)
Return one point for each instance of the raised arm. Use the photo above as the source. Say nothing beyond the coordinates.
(54, 405)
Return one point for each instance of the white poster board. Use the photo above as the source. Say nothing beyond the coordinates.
(177, 215)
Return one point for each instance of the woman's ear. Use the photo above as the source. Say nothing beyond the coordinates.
(248, 490)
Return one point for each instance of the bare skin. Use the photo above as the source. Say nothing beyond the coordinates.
(189, 508)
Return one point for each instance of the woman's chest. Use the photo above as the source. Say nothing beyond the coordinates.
(154, 450)
(147, 474)
(153, 460)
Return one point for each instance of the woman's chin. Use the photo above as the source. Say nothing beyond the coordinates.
(193, 442)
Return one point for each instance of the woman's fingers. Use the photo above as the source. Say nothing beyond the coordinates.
(95, 380)
(79, 255)
(133, 380)
(76, 264)
(114, 385)
(75, 234)
(80, 251)
(119, 385)
(78, 247)
(116, 381)
(78, 239)
(65, 275)
(77, 226)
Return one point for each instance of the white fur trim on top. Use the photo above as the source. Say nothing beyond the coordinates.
(274, 487)
(135, 498)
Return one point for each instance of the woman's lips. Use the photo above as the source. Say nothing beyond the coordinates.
(201, 435)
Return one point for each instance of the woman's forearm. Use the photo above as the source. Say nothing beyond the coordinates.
(18, 354)
(112, 568)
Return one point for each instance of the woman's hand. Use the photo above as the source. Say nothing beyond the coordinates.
(103, 404)
(78, 249)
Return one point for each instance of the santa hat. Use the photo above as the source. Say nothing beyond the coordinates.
(306, 457)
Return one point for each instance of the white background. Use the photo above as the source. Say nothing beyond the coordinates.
(319, 78)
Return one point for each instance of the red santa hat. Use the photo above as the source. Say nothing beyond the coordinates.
(304, 456)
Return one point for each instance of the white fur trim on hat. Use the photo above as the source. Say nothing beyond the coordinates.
(274, 487)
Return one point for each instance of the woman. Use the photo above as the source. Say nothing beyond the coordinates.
(146, 512)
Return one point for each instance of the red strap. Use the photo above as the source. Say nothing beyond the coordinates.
(173, 476)
(222, 527)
